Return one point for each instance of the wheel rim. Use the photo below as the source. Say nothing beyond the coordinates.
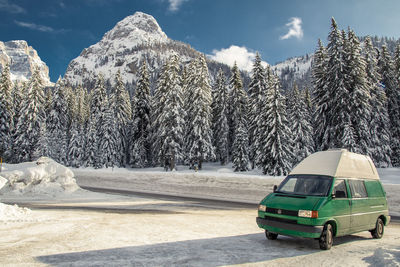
(329, 235)
(380, 228)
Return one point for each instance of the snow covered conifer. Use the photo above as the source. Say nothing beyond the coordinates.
(98, 107)
(380, 150)
(393, 95)
(107, 134)
(141, 130)
(121, 106)
(301, 129)
(220, 118)
(157, 107)
(256, 88)
(57, 121)
(6, 113)
(32, 123)
(336, 85)
(321, 96)
(358, 98)
(171, 118)
(199, 140)
(273, 142)
(388, 81)
(237, 104)
(240, 154)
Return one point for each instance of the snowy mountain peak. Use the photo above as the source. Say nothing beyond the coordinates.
(134, 30)
(139, 22)
(123, 48)
(23, 60)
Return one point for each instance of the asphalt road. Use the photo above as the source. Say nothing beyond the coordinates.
(205, 201)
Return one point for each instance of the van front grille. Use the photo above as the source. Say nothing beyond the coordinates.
(282, 211)
(275, 219)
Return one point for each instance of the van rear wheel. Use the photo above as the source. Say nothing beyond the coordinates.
(379, 229)
(271, 236)
(326, 239)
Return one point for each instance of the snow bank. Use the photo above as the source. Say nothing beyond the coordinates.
(12, 213)
(44, 177)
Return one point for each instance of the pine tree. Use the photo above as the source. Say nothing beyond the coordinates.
(6, 113)
(379, 121)
(57, 122)
(256, 88)
(273, 142)
(98, 107)
(301, 129)
(157, 107)
(108, 139)
(31, 125)
(220, 118)
(120, 102)
(388, 81)
(199, 140)
(17, 103)
(393, 95)
(237, 105)
(75, 147)
(141, 156)
(321, 96)
(358, 96)
(337, 90)
(171, 118)
(240, 148)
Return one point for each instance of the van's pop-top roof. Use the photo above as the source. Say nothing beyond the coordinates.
(338, 163)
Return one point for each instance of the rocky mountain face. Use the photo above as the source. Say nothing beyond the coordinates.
(136, 38)
(23, 60)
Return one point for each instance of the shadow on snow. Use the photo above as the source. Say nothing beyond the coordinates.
(250, 248)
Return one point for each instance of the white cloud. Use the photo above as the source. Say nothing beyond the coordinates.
(11, 8)
(34, 26)
(241, 55)
(174, 5)
(295, 29)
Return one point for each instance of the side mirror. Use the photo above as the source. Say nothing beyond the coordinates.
(275, 187)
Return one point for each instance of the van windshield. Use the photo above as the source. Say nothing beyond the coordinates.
(309, 185)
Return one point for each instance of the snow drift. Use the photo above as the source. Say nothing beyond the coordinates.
(44, 177)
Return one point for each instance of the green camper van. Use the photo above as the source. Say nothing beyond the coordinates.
(330, 193)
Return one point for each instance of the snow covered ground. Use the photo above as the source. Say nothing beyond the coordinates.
(68, 226)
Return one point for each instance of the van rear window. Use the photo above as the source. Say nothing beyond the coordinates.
(309, 185)
(374, 188)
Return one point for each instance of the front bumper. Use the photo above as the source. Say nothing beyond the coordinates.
(291, 229)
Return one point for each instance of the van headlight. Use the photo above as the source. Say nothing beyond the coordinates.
(262, 208)
(308, 213)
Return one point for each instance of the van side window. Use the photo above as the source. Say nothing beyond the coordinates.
(339, 189)
(357, 188)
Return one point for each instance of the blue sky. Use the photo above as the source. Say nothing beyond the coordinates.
(225, 29)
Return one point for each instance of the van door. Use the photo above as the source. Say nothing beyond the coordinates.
(341, 207)
(360, 211)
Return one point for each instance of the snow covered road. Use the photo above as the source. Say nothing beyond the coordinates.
(134, 231)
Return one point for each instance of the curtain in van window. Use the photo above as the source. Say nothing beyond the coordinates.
(357, 188)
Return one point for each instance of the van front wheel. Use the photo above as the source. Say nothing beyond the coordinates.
(379, 229)
(271, 236)
(326, 239)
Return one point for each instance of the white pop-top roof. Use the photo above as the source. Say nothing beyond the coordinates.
(338, 163)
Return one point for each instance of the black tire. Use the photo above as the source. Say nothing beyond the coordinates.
(326, 239)
(379, 229)
(271, 236)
